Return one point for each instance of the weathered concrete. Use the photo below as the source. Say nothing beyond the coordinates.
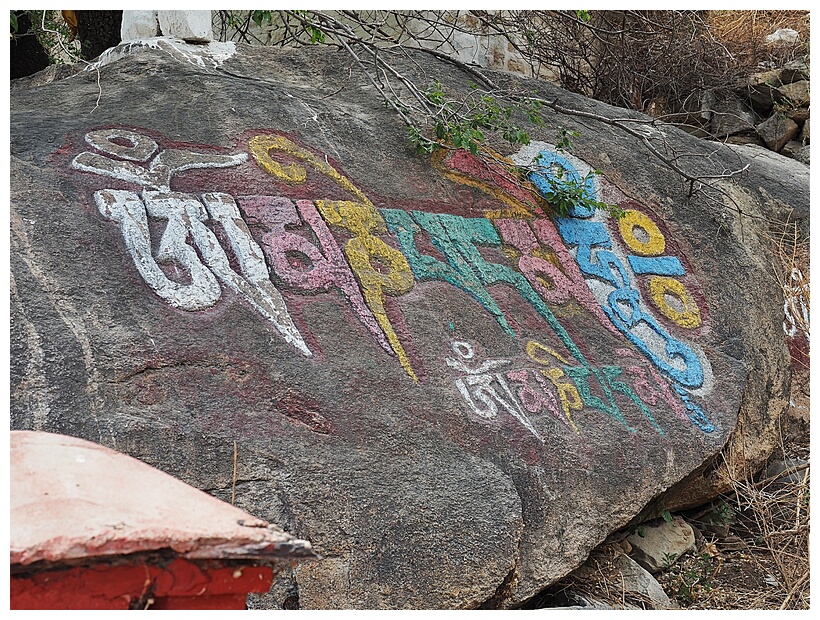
(450, 393)
(73, 499)
(191, 26)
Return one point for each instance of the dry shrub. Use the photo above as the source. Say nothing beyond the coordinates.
(762, 564)
(632, 59)
(652, 61)
(773, 521)
(597, 581)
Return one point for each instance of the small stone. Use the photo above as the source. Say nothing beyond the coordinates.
(804, 133)
(769, 78)
(786, 467)
(733, 543)
(760, 90)
(790, 149)
(771, 581)
(731, 117)
(798, 115)
(795, 94)
(783, 36)
(794, 71)
(776, 131)
(715, 527)
(745, 138)
(654, 546)
(762, 98)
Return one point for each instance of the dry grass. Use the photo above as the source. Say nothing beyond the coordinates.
(777, 515)
(752, 545)
(743, 34)
(741, 28)
(763, 560)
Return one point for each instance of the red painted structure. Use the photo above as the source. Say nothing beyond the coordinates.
(92, 528)
(181, 584)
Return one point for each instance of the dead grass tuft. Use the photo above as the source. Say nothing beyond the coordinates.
(743, 34)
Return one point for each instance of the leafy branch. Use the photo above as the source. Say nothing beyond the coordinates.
(437, 119)
(462, 124)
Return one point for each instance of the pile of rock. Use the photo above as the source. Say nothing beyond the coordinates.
(769, 108)
(629, 561)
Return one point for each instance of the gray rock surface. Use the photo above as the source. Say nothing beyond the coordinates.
(218, 254)
(791, 148)
(793, 472)
(803, 155)
(731, 117)
(781, 176)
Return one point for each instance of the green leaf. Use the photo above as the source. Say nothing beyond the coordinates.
(316, 35)
(13, 21)
(435, 93)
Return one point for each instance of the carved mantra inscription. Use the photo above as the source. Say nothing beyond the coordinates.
(585, 258)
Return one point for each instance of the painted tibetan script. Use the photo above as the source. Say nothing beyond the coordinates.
(190, 247)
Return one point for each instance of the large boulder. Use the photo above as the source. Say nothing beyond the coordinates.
(230, 264)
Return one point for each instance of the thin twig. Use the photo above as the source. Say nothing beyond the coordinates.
(794, 589)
